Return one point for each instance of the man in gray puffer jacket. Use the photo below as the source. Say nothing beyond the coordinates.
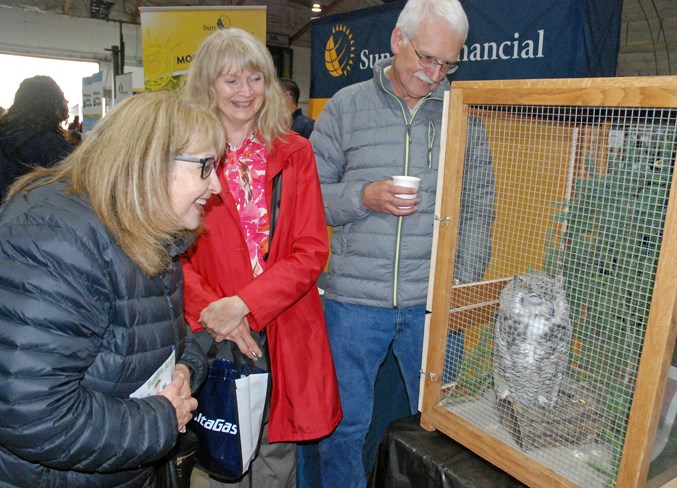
(381, 245)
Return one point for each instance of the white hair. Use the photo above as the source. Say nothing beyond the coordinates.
(416, 11)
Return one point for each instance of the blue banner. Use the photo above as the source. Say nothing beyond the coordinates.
(345, 46)
(508, 39)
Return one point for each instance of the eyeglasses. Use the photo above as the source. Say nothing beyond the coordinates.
(208, 164)
(425, 61)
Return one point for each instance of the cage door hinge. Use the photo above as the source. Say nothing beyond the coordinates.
(429, 375)
(445, 219)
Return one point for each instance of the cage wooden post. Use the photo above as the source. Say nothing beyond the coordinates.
(447, 228)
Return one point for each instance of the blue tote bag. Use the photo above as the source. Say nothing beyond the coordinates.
(232, 406)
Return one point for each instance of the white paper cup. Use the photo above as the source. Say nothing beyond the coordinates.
(409, 182)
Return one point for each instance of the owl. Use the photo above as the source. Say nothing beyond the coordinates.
(532, 336)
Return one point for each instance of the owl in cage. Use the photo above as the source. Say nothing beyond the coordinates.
(532, 337)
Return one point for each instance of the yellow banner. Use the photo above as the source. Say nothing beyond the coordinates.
(315, 106)
(171, 35)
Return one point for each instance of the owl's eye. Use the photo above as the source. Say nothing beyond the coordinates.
(534, 298)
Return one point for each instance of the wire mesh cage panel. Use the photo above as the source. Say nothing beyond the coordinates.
(553, 366)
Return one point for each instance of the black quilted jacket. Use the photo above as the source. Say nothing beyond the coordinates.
(22, 148)
(81, 328)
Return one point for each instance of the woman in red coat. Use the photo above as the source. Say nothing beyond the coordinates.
(236, 279)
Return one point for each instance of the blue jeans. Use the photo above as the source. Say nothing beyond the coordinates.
(359, 337)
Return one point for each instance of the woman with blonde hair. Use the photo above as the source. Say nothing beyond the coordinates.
(252, 271)
(97, 370)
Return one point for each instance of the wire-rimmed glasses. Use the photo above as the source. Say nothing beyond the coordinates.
(425, 61)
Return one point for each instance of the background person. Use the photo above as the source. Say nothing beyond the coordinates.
(378, 272)
(75, 125)
(237, 281)
(30, 132)
(92, 300)
(74, 138)
(300, 123)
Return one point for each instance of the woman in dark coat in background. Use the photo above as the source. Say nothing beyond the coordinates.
(91, 299)
(31, 132)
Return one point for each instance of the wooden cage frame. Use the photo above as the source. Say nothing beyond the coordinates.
(661, 332)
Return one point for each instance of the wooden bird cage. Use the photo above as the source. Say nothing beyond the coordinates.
(584, 176)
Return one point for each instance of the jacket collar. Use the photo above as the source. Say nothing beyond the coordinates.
(279, 154)
(179, 245)
(283, 147)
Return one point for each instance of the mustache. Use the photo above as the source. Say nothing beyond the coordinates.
(425, 78)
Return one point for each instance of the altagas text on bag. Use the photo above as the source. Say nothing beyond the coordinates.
(217, 425)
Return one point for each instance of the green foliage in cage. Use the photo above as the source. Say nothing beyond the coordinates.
(608, 255)
(475, 375)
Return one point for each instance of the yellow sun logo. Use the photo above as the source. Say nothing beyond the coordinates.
(158, 63)
(339, 51)
(223, 22)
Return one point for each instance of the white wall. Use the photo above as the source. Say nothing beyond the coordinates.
(301, 71)
(42, 34)
(648, 38)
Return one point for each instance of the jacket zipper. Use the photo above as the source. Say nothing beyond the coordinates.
(172, 313)
(431, 141)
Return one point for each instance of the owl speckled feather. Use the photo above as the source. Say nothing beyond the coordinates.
(532, 337)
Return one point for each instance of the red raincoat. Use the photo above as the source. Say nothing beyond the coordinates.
(284, 298)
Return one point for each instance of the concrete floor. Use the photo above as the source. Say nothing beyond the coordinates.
(199, 479)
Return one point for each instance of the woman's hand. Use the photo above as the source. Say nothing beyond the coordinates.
(185, 389)
(245, 342)
(184, 406)
(225, 319)
(223, 316)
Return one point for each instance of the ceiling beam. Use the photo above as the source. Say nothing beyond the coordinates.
(298, 34)
(328, 9)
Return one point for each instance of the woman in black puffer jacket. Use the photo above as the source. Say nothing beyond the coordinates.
(91, 299)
